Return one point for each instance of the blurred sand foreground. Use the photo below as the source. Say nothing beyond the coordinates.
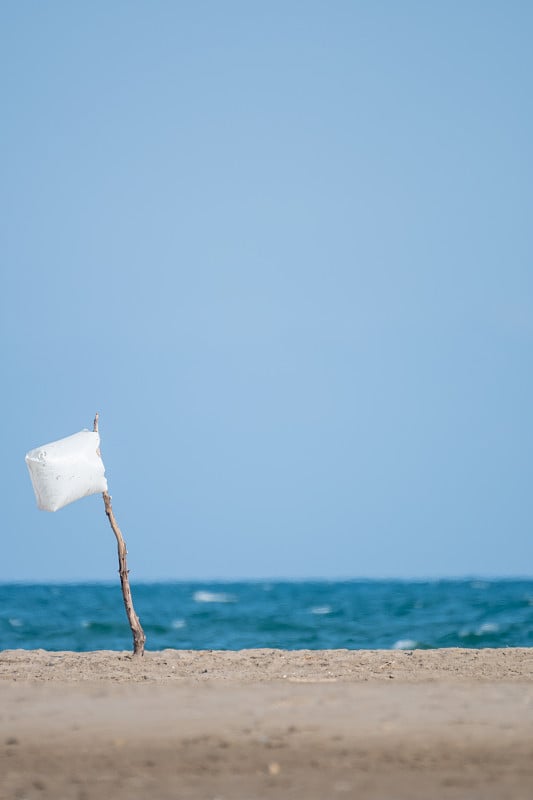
(266, 724)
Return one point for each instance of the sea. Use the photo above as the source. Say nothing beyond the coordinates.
(304, 614)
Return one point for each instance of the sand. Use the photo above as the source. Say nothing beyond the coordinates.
(267, 724)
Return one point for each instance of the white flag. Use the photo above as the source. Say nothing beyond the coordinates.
(64, 471)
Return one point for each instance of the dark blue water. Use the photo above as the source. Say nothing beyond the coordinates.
(304, 614)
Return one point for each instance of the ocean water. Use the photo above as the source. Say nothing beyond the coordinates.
(283, 614)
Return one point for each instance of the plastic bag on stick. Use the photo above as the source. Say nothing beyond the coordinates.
(64, 471)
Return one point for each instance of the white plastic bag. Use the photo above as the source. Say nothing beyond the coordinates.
(64, 471)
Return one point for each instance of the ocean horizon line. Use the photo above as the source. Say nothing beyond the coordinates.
(493, 578)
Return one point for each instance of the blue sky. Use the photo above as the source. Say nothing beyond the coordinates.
(285, 250)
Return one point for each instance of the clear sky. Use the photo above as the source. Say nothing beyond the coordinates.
(285, 250)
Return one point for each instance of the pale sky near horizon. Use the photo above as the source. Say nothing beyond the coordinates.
(285, 250)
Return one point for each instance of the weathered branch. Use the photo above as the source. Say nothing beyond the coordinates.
(139, 637)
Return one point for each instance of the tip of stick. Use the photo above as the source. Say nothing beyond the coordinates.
(95, 423)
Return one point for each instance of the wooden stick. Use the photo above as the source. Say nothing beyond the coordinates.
(139, 637)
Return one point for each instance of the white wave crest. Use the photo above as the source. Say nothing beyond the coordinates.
(404, 644)
(15, 623)
(214, 597)
(321, 610)
(178, 623)
(487, 627)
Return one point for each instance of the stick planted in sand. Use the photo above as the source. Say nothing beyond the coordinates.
(139, 637)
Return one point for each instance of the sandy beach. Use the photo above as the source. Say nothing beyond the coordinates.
(267, 724)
